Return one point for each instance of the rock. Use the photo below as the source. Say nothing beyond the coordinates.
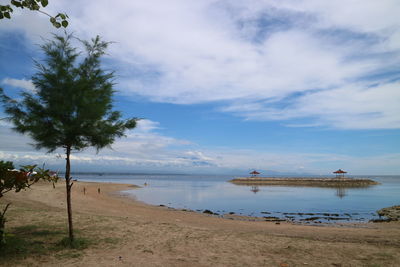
(391, 213)
(231, 213)
(339, 218)
(208, 212)
(379, 220)
(311, 219)
(273, 219)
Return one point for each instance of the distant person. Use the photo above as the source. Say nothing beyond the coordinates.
(145, 184)
(98, 190)
(84, 190)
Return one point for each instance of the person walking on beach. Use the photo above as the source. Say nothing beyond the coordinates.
(98, 190)
(84, 190)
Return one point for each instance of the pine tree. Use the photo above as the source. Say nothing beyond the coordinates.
(72, 108)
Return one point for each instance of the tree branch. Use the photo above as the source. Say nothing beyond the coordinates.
(47, 14)
(5, 210)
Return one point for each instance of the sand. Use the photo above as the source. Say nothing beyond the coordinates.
(145, 235)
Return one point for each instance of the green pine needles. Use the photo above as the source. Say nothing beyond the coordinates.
(72, 107)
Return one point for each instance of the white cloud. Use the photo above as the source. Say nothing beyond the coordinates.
(211, 161)
(34, 24)
(145, 126)
(354, 106)
(19, 83)
(151, 151)
(255, 54)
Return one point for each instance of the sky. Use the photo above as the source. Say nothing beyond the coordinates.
(224, 87)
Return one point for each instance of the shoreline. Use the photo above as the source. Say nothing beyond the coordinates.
(159, 236)
(334, 219)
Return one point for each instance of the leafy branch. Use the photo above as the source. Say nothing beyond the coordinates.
(61, 19)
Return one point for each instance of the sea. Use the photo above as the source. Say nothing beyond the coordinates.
(294, 203)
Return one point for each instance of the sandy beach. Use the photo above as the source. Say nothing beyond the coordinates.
(125, 232)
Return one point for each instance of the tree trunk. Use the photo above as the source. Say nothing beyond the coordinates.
(2, 225)
(68, 186)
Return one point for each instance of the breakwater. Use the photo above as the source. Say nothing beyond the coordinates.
(305, 181)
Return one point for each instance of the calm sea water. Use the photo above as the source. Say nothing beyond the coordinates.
(215, 193)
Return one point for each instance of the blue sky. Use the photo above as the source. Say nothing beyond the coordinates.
(225, 87)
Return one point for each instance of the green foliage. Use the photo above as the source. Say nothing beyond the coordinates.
(17, 180)
(72, 107)
(5, 166)
(73, 103)
(35, 5)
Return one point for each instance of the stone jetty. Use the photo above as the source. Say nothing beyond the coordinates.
(305, 181)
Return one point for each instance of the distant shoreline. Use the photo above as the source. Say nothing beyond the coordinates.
(304, 181)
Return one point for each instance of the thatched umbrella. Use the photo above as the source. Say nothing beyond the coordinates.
(339, 173)
(254, 173)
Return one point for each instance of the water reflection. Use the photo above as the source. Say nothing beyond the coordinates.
(341, 192)
(254, 189)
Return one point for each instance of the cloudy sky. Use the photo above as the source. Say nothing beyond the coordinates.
(304, 86)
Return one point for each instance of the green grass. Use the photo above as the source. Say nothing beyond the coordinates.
(78, 243)
(49, 239)
(17, 247)
(33, 240)
(40, 234)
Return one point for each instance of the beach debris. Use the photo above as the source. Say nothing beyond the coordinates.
(148, 251)
(283, 264)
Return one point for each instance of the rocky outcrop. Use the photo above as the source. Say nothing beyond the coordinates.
(391, 213)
